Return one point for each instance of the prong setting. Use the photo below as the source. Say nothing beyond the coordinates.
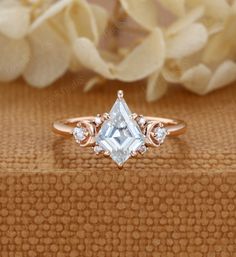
(134, 116)
(141, 121)
(107, 154)
(143, 149)
(120, 166)
(120, 94)
(134, 154)
(106, 116)
(98, 150)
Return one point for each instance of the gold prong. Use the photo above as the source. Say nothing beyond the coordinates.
(143, 152)
(79, 124)
(107, 154)
(120, 94)
(106, 116)
(152, 134)
(134, 154)
(134, 116)
(141, 121)
(86, 133)
(120, 166)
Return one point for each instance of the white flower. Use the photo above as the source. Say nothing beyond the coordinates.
(182, 38)
(194, 47)
(142, 61)
(42, 51)
(190, 61)
(216, 65)
(14, 49)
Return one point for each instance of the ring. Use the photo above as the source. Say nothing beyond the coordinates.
(119, 134)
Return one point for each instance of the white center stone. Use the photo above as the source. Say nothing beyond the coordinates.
(120, 135)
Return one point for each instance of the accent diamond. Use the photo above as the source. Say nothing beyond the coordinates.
(98, 120)
(120, 135)
(79, 134)
(141, 121)
(160, 134)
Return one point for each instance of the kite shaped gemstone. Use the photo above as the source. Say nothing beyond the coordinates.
(120, 135)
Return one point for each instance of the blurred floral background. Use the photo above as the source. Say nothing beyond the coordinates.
(164, 42)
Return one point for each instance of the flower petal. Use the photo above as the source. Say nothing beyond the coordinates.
(141, 62)
(80, 21)
(175, 68)
(202, 80)
(14, 57)
(177, 7)
(74, 65)
(224, 75)
(93, 82)
(10, 3)
(217, 8)
(172, 71)
(197, 78)
(146, 58)
(14, 21)
(101, 16)
(52, 11)
(144, 12)
(214, 8)
(156, 87)
(50, 57)
(187, 42)
(222, 45)
(90, 58)
(186, 21)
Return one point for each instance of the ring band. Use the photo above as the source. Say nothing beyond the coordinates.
(65, 127)
(119, 134)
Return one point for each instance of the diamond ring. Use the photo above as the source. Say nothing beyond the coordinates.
(119, 134)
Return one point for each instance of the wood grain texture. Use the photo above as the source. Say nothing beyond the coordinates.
(59, 200)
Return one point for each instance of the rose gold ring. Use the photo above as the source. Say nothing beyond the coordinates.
(120, 134)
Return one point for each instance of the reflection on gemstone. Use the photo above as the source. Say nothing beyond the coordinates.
(120, 135)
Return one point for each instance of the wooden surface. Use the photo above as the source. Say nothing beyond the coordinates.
(59, 200)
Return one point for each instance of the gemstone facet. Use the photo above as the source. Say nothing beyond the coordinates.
(120, 135)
